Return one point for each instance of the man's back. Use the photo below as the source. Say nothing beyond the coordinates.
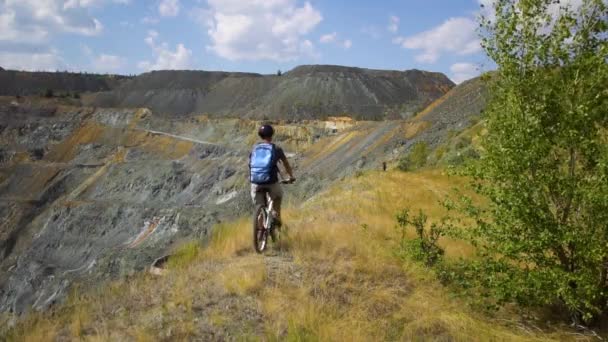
(264, 170)
(263, 163)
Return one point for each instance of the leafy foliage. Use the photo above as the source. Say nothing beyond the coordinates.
(416, 159)
(543, 238)
(424, 247)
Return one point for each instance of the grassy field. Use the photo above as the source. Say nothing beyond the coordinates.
(334, 277)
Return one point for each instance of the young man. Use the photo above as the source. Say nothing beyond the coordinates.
(264, 170)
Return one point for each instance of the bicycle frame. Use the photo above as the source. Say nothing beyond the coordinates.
(261, 230)
(269, 207)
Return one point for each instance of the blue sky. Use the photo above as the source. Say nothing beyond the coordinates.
(263, 36)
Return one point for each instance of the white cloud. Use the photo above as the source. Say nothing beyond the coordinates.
(36, 21)
(47, 61)
(166, 59)
(261, 29)
(31, 24)
(456, 35)
(203, 16)
(463, 71)
(149, 20)
(169, 8)
(371, 31)
(90, 3)
(103, 63)
(307, 48)
(328, 38)
(393, 24)
(86, 50)
(459, 35)
(108, 63)
(333, 38)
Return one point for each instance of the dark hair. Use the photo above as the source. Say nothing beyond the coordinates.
(265, 131)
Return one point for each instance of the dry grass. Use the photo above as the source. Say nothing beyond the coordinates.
(336, 279)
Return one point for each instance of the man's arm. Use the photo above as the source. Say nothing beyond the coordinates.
(287, 166)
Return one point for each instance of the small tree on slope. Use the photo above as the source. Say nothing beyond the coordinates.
(543, 239)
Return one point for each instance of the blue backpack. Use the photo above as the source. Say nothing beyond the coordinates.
(262, 163)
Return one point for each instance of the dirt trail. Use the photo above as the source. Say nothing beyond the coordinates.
(181, 137)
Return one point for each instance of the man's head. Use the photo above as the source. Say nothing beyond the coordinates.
(265, 132)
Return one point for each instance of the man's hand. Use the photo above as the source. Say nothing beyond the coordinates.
(290, 180)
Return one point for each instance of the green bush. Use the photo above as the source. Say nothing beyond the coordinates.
(461, 157)
(424, 247)
(416, 159)
(542, 237)
(462, 142)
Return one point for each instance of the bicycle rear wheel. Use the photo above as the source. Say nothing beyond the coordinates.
(260, 233)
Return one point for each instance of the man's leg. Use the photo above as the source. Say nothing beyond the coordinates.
(257, 196)
(276, 194)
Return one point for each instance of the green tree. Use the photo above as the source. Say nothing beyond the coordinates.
(543, 238)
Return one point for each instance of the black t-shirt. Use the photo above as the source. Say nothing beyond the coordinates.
(279, 154)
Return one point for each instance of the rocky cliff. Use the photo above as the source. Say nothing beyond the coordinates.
(306, 92)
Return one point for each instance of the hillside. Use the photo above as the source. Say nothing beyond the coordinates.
(336, 276)
(136, 182)
(25, 83)
(306, 92)
(456, 110)
(142, 182)
(91, 197)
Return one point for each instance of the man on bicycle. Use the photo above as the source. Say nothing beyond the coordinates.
(264, 170)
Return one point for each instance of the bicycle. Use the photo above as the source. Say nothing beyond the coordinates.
(264, 222)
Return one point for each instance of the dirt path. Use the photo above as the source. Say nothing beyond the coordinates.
(181, 137)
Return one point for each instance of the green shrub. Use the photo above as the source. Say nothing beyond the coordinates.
(457, 158)
(542, 236)
(424, 247)
(416, 159)
(462, 142)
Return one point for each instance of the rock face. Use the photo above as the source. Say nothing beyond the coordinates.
(36, 83)
(91, 194)
(86, 194)
(451, 112)
(306, 92)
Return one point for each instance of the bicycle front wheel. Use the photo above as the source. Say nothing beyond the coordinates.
(260, 233)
